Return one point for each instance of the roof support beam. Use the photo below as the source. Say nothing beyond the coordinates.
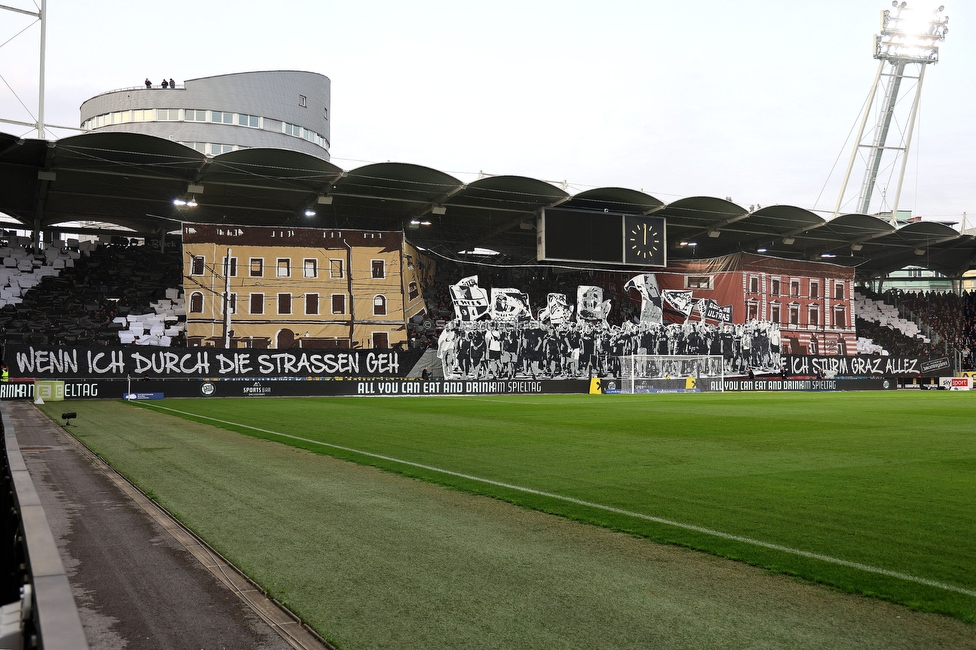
(719, 225)
(440, 200)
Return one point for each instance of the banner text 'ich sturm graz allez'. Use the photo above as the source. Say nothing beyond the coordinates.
(58, 362)
(865, 366)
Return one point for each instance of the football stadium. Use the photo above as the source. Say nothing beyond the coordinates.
(251, 398)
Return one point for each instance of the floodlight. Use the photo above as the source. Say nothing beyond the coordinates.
(324, 199)
(788, 241)
(856, 247)
(309, 212)
(920, 251)
(909, 35)
(438, 209)
(192, 203)
(714, 233)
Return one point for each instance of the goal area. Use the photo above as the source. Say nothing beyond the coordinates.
(649, 373)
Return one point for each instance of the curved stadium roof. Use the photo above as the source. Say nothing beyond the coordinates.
(131, 180)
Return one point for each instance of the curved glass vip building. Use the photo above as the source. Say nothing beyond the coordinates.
(281, 109)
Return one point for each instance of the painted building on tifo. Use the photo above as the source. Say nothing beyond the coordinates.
(812, 302)
(260, 287)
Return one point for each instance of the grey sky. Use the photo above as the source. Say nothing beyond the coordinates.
(748, 100)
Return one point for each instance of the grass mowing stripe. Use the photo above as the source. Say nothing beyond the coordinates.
(658, 520)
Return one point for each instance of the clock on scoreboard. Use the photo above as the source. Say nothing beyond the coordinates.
(601, 238)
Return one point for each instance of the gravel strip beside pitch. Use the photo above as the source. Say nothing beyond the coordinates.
(372, 559)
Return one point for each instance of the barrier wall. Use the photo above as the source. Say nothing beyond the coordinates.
(30, 560)
(819, 385)
(161, 388)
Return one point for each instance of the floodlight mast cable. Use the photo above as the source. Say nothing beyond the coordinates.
(908, 37)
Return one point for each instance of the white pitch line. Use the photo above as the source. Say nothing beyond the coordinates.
(589, 504)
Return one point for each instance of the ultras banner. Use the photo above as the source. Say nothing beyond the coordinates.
(865, 366)
(137, 362)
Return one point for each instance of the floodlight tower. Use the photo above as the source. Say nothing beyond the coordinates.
(908, 37)
(41, 15)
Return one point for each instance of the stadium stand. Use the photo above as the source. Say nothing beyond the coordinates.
(85, 293)
(951, 317)
(882, 330)
(923, 324)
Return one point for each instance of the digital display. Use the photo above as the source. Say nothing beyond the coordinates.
(584, 236)
(601, 238)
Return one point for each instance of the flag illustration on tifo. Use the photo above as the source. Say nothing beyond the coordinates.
(510, 305)
(652, 310)
(590, 305)
(557, 310)
(681, 300)
(470, 300)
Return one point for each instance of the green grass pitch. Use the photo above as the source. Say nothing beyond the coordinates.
(883, 480)
(872, 493)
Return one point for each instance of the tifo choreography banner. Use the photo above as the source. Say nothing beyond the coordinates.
(118, 363)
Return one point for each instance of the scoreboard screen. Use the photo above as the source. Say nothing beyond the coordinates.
(601, 238)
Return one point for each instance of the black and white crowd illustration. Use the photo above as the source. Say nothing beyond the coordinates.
(495, 335)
